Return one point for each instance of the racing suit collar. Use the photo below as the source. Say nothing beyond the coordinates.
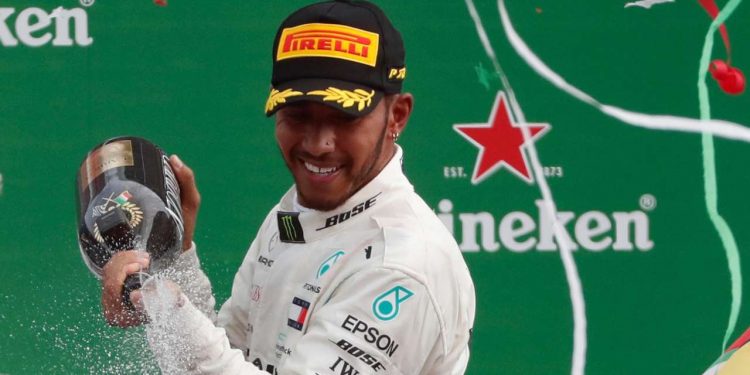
(305, 227)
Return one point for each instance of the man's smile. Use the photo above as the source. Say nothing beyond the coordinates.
(320, 170)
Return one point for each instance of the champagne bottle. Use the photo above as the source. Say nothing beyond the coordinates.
(128, 199)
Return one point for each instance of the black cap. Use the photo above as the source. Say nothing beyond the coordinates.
(345, 54)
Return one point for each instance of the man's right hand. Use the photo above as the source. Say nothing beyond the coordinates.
(118, 268)
(189, 196)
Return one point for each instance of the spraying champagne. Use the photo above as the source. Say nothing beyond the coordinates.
(128, 199)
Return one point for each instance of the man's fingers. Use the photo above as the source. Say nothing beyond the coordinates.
(122, 264)
(166, 291)
(185, 177)
(189, 196)
(118, 268)
(132, 268)
(136, 298)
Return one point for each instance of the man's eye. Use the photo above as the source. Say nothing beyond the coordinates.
(345, 119)
(294, 119)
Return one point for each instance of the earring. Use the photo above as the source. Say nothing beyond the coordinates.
(394, 135)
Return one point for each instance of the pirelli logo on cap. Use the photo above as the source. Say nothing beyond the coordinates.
(329, 40)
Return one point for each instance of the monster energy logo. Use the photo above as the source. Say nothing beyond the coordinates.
(290, 229)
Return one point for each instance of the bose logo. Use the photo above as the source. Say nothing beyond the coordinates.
(344, 216)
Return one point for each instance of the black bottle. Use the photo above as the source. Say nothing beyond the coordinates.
(128, 199)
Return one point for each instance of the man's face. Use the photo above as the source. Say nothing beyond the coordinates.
(331, 154)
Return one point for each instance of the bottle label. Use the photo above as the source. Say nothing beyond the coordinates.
(172, 194)
(111, 155)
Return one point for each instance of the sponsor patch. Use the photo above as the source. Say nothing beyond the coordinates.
(362, 355)
(344, 216)
(298, 313)
(329, 40)
(265, 261)
(328, 263)
(312, 288)
(386, 306)
(397, 74)
(371, 334)
(290, 229)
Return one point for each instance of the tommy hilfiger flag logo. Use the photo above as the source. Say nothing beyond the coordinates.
(290, 229)
(298, 313)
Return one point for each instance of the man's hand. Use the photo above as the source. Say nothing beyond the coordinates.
(118, 268)
(158, 298)
(189, 196)
(125, 263)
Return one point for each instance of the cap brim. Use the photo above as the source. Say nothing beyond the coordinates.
(354, 99)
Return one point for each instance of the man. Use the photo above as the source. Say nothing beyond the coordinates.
(351, 273)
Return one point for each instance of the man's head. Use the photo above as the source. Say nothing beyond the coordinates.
(336, 92)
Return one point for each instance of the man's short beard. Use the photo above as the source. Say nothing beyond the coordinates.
(363, 178)
(360, 180)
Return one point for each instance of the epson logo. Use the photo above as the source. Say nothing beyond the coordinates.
(32, 27)
(371, 334)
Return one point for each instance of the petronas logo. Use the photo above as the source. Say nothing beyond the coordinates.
(290, 229)
(387, 305)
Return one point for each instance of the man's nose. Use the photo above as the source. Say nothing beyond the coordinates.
(320, 139)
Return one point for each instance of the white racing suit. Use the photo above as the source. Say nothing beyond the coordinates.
(377, 286)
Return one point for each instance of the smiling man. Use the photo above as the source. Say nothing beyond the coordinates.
(351, 272)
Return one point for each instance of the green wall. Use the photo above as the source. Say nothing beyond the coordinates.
(193, 77)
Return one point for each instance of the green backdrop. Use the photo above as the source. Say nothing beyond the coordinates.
(193, 77)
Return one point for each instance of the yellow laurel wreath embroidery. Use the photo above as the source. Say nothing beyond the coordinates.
(345, 97)
(135, 213)
(97, 234)
(277, 97)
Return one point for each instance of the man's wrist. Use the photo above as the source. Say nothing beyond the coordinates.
(189, 248)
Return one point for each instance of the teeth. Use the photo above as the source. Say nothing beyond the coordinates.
(318, 170)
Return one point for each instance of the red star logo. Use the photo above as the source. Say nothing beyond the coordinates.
(500, 142)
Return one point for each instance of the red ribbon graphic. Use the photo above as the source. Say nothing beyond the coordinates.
(730, 79)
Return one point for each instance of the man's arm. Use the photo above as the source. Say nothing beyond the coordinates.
(187, 273)
(376, 322)
(125, 263)
(234, 312)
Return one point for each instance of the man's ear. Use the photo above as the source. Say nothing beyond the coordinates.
(400, 111)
